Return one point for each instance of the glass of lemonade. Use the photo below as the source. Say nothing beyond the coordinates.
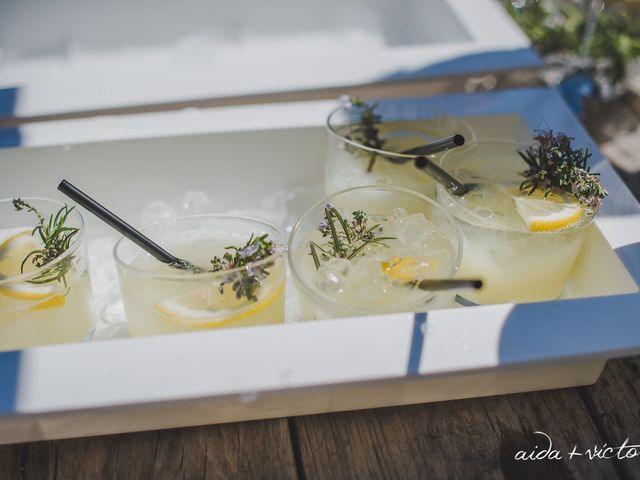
(45, 295)
(160, 299)
(396, 237)
(522, 246)
(351, 163)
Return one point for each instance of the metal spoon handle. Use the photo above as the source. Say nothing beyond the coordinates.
(441, 176)
(116, 222)
(449, 284)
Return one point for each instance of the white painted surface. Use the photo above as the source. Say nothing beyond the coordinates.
(75, 55)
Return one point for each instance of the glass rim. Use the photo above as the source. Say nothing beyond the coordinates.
(76, 242)
(279, 245)
(591, 213)
(428, 296)
(379, 151)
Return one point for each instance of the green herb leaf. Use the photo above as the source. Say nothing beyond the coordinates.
(56, 239)
(554, 166)
(247, 282)
(345, 239)
(365, 131)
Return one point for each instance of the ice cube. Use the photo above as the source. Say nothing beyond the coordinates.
(196, 201)
(414, 230)
(332, 275)
(399, 213)
(157, 210)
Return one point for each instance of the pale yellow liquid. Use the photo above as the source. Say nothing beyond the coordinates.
(142, 293)
(363, 288)
(516, 265)
(29, 323)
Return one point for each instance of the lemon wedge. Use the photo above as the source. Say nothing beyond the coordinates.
(17, 244)
(549, 214)
(407, 269)
(206, 307)
(54, 302)
(27, 291)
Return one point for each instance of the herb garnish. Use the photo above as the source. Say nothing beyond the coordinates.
(247, 282)
(365, 132)
(346, 239)
(56, 238)
(555, 166)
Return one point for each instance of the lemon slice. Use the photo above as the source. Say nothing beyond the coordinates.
(17, 244)
(54, 302)
(14, 248)
(27, 291)
(407, 269)
(549, 214)
(206, 307)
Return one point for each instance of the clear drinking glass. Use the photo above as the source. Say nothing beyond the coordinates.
(38, 306)
(160, 299)
(352, 164)
(425, 244)
(515, 263)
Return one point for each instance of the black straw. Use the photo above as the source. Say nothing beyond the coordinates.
(121, 226)
(438, 146)
(441, 176)
(449, 284)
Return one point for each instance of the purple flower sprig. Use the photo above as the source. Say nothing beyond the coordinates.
(246, 282)
(345, 239)
(554, 166)
(365, 131)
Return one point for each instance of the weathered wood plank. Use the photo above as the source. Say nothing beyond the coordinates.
(259, 449)
(462, 439)
(614, 404)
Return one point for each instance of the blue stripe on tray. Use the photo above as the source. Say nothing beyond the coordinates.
(9, 366)
(417, 341)
(630, 256)
(9, 136)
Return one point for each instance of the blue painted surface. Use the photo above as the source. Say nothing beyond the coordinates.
(589, 327)
(417, 341)
(9, 137)
(630, 256)
(9, 368)
(476, 62)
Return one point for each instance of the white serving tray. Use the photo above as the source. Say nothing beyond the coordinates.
(264, 372)
(65, 57)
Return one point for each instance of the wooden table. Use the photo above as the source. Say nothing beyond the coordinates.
(476, 438)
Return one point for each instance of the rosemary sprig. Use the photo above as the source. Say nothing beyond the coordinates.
(365, 131)
(344, 239)
(56, 239)
(247, 282)
(554, 166)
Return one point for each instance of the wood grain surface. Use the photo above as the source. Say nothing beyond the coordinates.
(475, 438)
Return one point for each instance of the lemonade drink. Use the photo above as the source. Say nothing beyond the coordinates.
(522, 245)
(37, 306)
(409, 239)
(160, 299)
(351, 163)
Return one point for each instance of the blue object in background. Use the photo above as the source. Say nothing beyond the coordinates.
(576, 88)
(10, 136)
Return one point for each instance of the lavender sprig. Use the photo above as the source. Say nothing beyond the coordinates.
(247, 282)
(345, 239)
(56, 239)
(365, 132)
(554, 166)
